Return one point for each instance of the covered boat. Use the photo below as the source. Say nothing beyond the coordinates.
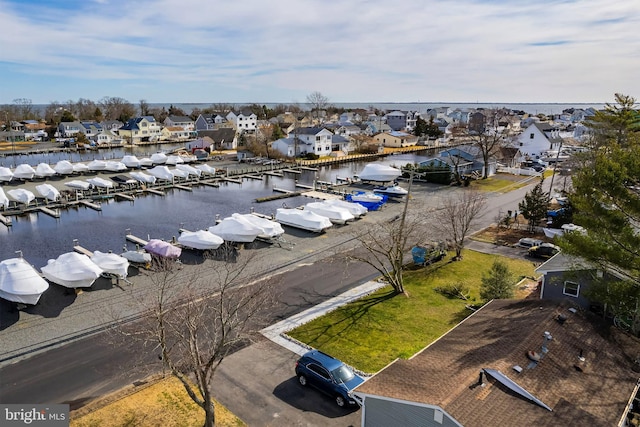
(159, 158)
(100, 182)
(162, 249)
(368, 199)
(143, 177)
(564, 228)
(139, 257)
(161, 172)
(236, 230)
(123, 180)
(5, 174)
(111, 263)
(189, 169)
(43, 170)
(173, 160)
(270, 229)
(356, 209)
(97, 165)
(178, 173)
(391, 191)
(201, 239)
(21, 195)
(305, 220)
(336, 214)
(24, 171)
(205, 168)
(379, 173)
(131, 161)
(4, 200)
(146, 162)
(78, 185)
(113, 166)
(63, 167)
(20, 282)
(48, 191)
(72, 270)
(80, 168)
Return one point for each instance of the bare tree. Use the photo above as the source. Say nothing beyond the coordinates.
(114, 108)
(144, 107)
(458, 214)
(318, 102)
(24, 109)
(198, 318)
(489, 136)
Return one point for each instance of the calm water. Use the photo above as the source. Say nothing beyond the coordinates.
(41, 237)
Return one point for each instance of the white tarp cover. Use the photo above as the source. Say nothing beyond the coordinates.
(159, 158)
(43, 170)
(48, 191)
(100, 182)
(189, 169)
(206, 169)
(20, 282)
(5, 174)
(236, 230)
(161, 172)
(356, 209)
(180, 173)
(80, 167)
(24, 171)
(270, 229)
(305, 220)
(174, 160)
(111, 263)
(145, 161)
(63, 167)
(336, 214)
(379, 172)
(143, 177)
(97, 165)
(131, 161)
(201, 239)
(81, 185)
(21, 195)
(4, 200)
(114, 166)
(72, 270)
(139, 257)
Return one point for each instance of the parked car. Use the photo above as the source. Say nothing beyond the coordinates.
(528, 242)
(544, 250)
(329, 375)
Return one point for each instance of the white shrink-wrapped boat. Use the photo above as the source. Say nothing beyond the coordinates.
(71, 270)
(21, 195)
(78, 185)
(305, 220)
(146, 162)
(100, 182)
(131, 161)
(4, 200)
(379, 173)
(270, 229)
(201, 239)
(356, 209)
(97, 165)
(336, 214)
(159, 158)
(113, 166)
(111, 263)
(138, 257)
(174, 160)
(391, 191)
(80, 168)
(5, 174)
(48, 191)
(24, 171)
(189, 169)
(43, 170)
(143, 177)
(20, 282)
(161, 172)
(236, 230)
(178, 173)
(205, 168)
(63, 167)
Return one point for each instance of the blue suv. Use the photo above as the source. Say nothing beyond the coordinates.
(328, 375)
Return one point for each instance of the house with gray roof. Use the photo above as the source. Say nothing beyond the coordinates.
(223, 138)
(244, 120)
(315, 140)
(184, 122)
(537, 139)
(210, 121)
(511, 363)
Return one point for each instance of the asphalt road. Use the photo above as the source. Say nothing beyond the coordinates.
(256, 383)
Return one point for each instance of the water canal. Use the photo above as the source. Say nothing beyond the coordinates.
(41, 237)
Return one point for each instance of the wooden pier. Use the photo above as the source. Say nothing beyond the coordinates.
(272, 173)
(182, 187)
(211, 183)
(6, 221)
(256, 177)
(307, 168)
(90, 204)
(292, 171)
(156, 192)
(50, 212)
(286, 194)
(235, 181)
(125, 197)
(308, 187)
(136, 240)
(82, 250)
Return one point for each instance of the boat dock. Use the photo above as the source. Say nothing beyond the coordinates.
(82, 250)
(156, 192)
(273, 173)
(182, 187)
(125, 196)
(6, 221)
(90, 204)
(292, 171)
(136, 240)
(50, 212)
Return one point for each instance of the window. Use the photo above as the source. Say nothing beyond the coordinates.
(318, 138)
(319, 370)
(571, 289)
(531, 136)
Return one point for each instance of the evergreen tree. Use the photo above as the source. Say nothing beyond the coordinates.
(498, 283)
(534, 205)
(421, 127)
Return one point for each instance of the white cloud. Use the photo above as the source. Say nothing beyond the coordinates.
(205, 51)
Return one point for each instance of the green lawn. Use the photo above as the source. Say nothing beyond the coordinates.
(372, 332)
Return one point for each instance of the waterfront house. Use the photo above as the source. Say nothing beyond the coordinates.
(223, 138)
(210, 121)
(140, 129)
(402, 120)
(175, 133)
(244, 121)
(112, 125)
(537, 139)
(466, 158)
(314, 140)
(396, 139)
(91, 129)
(105, 136)
(511, 363)
(201, 143)
(186, 123)
(69, 129)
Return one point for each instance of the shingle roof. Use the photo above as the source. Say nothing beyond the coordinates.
(498, 336)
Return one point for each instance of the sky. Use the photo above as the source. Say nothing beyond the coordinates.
(280, 51)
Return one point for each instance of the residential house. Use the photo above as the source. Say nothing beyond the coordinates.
(112, 125)
(375, 126)
(175, 133)
(69, 129)
(477, 122)
(537, 139)
(396, 139)
(305, 140)
(201, 143)
(402, 120)
(34, 130)
(340, 144)
(350, 117)
(223, 138)
(90, 129)
(140, 129)
(244, 121)
(467, 158)
(186, 123)
(509, 156)
(210, 121)
(348, 130)
(511, 363)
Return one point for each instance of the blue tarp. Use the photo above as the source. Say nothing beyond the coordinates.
(372, 206)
